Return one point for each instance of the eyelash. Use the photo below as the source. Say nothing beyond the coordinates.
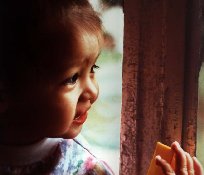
(72, 80)
(94, 67)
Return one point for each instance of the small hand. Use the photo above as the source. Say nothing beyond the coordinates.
(185, 164)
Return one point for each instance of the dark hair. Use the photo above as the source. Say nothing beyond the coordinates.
(26, 36)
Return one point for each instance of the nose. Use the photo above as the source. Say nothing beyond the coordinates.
(90, 91)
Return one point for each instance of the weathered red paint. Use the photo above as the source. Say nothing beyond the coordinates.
(155, 77)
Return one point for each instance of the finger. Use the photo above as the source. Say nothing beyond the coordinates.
(190, 166)
(165, 166)
(181, 160)
(197, 167)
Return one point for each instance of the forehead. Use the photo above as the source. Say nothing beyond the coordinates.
(71, 40)
(86, 48)
(81, 48)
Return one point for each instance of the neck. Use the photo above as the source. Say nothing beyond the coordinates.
(27, 154)
(12, 134)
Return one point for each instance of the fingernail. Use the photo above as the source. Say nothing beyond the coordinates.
(197, 161)
(177, 144)
(194, 158)
(158, 157)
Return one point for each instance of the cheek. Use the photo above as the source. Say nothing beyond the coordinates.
(97, 90)
(64, 109)
(58, 114)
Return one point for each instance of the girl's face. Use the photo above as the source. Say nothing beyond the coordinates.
(58, 105)
(70, 99)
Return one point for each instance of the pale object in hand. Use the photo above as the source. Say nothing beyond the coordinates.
(166, 153)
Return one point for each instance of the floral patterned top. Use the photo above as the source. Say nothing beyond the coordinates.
(70, 157)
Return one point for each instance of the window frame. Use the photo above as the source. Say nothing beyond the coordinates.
(160, 79)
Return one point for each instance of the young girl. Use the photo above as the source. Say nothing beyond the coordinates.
(48, 54)
(47, 85)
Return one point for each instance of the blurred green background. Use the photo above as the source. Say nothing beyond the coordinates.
(200, 122)
(102, 129)
(103, 125)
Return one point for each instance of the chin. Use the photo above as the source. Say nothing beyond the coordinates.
(72, 133)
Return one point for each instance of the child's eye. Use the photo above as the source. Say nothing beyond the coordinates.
(71, 80)
(94, 67)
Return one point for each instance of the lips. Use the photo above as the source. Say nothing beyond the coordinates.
(81, 118)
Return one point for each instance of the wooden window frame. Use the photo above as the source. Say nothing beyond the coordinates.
(160, 79)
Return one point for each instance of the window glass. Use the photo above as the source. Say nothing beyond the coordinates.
(102, 130)
(200, 122)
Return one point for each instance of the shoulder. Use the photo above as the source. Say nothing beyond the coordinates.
(78, 160)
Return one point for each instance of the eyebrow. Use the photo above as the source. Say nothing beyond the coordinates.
(76, 63)
(87, 60)
(97, 56)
